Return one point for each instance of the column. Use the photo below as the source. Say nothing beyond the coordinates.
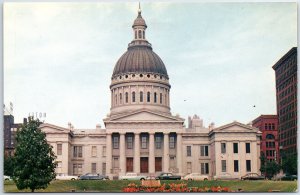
(166, 152)
(122, 154)
(136, 165)
(151, 153)
(108, 154)
(179, 152)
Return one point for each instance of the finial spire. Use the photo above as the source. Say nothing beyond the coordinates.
(139, 10)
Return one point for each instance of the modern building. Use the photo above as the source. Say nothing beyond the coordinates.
(269, 145)
(286, 96)
(141, 135)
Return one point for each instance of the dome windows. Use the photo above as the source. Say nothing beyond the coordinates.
(148, 75)
(155, 97)
(141, 75)
(120, 98)
(133, 96)
(126, 96)
(133, 75)
(148, 96)
(141, 96)
(126, 76)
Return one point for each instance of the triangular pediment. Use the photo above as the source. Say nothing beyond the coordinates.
(235, 127)
(49, 128)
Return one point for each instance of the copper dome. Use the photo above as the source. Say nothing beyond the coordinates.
(140, 59)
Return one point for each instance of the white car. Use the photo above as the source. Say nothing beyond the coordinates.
(7, 178)
(225, 176)
(195, 176)
(62, 176)
(132, 176)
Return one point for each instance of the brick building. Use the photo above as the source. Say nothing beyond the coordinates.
(286, 95)
(269, 146)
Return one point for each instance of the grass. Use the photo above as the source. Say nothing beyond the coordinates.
(116, 186)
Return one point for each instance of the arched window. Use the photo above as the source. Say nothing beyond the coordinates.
(126, 97)
(140, 34)
(160, 98)
(133, 96)
(135, 34)
(141, 96)
(155, 97)
(148, 96)
(166, 101)
(270, 136)
(120, 98)
(143, 34)
(116, 97)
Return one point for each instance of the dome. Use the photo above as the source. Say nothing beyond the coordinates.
(140, 59)
(139, 21)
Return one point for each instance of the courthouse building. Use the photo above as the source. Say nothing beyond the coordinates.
(141, 135)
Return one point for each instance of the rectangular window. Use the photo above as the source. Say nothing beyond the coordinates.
(204, 150)
(204, 168)
(247, 147)
(223, 148)
(160, 98)
(77, 169)
(172, 142)
(116, 142)
(236, 166)
(223, 162)
(104, 168)
(172, 162)
(77, 151)
(129, 142)
(144, 142)
(189, 151)
(94, 168)
(104, 151)
(115, 163)
(189, 167)
(94, 151)
(248, 165)
(235, 148)
(59, 164)
(158, 142)
(59, 149)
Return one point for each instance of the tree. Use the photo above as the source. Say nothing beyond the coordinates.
(262, 163)
(8, 165)
(289, 164)
(34, 165)
(272, 168)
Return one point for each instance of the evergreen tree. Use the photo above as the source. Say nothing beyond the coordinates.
(289, 164)
(8, 165)
(34, 165)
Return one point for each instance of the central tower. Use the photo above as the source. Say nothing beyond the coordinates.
(140, 79)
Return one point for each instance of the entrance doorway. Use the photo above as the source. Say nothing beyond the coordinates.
(129, 164)
(158, 164)
(144, 164)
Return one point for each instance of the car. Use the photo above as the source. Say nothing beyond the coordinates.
(225, 176)
(168, 176)
(93, 176)
(151, 177)
(289, 178)
(62, 176)
(132, 176)
(252, 176)
(7, 178)
(195, 176)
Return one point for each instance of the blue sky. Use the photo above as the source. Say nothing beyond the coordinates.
(59, 57)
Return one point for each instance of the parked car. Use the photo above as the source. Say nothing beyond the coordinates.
(225, 176)
(93, 176)
(168, 176)
(289, 178)
(132, 176)
(62, 176)
(151, 178)
(252, 176)
(195, 176)
(7, 178)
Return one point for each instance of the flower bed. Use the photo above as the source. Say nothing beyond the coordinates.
(182, 187)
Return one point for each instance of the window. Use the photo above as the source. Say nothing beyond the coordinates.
(235, 148)
(204, 150)
(59, 149)
(247, 147)
(120, 98)
(172, 142)
(141, 96)
(223, 162)
(148, 96)
(144, 142)
(94, 151)
(129, 142)
(223, 148)
(116, 97)
(172, 162)
(188, 151)
(236, 166)
(189, 167)
(160, 98)
(104, 168)
(158, 142)
(59, 164)
(273, 126)
(135, 34)
(248, 165)
(266, 126)
(143, 34)
(155, 97)
(94, 168)
(77, 169)
(133, 96)
(270, 136)
(126, 97)
(204, 168)
(104, 151)
(115, 162)
(77, 151)
(140, 34)
(115, 142)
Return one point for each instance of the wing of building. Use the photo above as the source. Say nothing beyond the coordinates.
(141, 135)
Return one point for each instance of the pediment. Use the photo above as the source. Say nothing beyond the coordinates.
(235, 127)
(49, 128)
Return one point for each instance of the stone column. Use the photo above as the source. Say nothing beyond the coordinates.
(136, 165)
(151, 154)
(122, 154)
(108, 154)
(179, 152)
(166, 152)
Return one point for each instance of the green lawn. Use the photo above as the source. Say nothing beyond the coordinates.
(116, 186)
